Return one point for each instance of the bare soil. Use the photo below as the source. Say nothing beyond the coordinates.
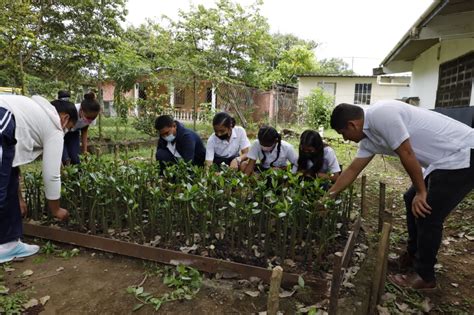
(96, 283)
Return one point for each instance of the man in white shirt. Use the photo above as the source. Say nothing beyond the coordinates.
(443, 146)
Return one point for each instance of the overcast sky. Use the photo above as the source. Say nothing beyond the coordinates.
(362, 32)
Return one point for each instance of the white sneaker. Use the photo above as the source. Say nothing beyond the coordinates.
(12, 250)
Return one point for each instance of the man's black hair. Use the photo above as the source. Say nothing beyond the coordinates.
(67, 108)
(164, 121)
(343, 113)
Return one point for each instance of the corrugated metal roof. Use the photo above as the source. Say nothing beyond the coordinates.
(410, 45)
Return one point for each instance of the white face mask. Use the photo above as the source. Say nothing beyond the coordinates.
(169, 138)
(267, 149)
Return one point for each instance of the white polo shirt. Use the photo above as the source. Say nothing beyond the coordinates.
(439, 142)
(172, 147)
(287, 153)
(227, 148)
(330, 162)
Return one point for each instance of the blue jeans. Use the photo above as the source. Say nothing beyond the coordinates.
(10, 215)
(446, 189)
(71, 148)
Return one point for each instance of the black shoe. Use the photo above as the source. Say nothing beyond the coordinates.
(404, 262)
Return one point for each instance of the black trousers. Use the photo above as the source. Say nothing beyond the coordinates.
(446, 189)
(220, 159)
(72, 147)
(11, 228)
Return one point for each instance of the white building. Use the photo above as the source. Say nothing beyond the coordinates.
(355, 89)
(439, 51)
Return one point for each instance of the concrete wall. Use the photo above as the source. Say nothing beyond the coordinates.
(345, 88)
(425, 70)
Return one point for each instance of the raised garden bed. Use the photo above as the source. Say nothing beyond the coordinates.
(273, 219)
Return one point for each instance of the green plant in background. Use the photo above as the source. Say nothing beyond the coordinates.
(206, 113)
(148, 110)
(319, 105)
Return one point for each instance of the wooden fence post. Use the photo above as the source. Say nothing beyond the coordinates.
(381, 206)
(363, 197)
(335, 283)
(378, 282)
(274, 293)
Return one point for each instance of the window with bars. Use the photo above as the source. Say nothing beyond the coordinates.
(455, 82)
(209, 95)
(362, 93)
(179, 96)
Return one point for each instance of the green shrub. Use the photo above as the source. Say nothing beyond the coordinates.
(319, 106)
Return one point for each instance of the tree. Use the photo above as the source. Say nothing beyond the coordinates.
(60, 40)
(334, 66)
(222, 44)
(299, 59)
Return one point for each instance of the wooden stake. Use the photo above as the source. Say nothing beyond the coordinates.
(274, 293)
(378, 282)
(363, 200)
(381, 206)
(335, 283)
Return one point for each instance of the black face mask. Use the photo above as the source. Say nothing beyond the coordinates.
(308, 155)
(223, 137)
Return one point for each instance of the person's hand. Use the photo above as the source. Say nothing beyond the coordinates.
(234, 164)
(23, 207)
(61, 214)
(419, 206)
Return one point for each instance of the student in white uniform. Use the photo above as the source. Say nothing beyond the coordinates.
(29, 127)
(87, 111)
(443, 146)
(317, 159)
(271, 151)
(229, 143)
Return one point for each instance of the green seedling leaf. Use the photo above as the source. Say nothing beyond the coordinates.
(4, 289)
(138, 306)
(301, 282)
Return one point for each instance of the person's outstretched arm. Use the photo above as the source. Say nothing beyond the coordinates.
(52, 151)
(348, 176)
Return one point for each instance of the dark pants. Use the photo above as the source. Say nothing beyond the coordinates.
(164, 157)
(446, 189)
(220, 159)
(10, 216)
(72, 147)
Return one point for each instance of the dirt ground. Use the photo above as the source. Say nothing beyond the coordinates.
(96, 283)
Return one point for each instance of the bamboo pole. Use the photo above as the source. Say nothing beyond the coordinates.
(274, 293)
(378, 282)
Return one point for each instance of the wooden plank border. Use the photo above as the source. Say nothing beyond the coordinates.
(166, 256)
